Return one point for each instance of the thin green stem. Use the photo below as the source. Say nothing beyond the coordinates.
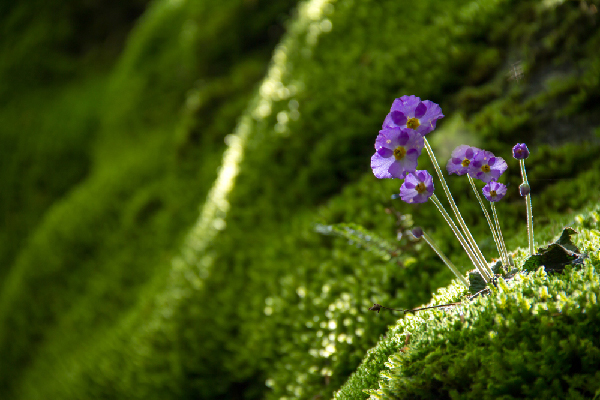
(445, 259)
(529, 209)
(500, 238)
(476, 262)
(459, 218)
(502, 254)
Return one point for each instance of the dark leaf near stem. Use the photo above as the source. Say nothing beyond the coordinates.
(557, 256)
(476, 282)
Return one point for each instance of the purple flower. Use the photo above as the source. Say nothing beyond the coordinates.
(397, 152)
(461, 159)
(520, 151)
(487, 167)
(411, 112)
(417, 187)
(494, 191)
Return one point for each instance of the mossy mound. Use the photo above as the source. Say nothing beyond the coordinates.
(532, 337)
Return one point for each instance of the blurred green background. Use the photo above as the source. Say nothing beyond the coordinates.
(168, 168)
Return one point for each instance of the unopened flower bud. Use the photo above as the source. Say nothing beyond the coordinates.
(524, 189)
(520, 151)
(417, 232)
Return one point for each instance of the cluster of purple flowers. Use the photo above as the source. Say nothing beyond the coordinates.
(482, 165)
(400, 142)
(397, 150)
(399, 145)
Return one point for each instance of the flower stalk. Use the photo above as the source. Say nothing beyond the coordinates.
(529, 209)
(521, 152)
(502, 253)
(445, 259)
(471, 242)
(397, 149)
(500, 238)
(481, 267)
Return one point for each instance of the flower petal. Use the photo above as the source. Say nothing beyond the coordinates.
(403, 138)
(398, 118)
(398, 170)
(405, 101)
(381, 165)
(385, 152)
(429, 119)
(420, 110)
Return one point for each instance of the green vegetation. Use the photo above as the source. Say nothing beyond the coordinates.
(133, 266)
(105, 179)
(534, 337)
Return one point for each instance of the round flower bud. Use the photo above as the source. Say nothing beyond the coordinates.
(520, 151)
(417, 232)
(524, 189)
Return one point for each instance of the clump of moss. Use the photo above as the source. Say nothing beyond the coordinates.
(531, 337)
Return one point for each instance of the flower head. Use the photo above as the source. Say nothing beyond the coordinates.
(417, 187)
(397, 152)
(487, 167)
(494, 191)
(412, 113)
(520, 151)
(461, 159)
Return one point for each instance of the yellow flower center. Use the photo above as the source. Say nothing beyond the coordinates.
(465, 163)
(485, 168)
(399, 152)
(421, 188)
(493, 193)
(413, 123)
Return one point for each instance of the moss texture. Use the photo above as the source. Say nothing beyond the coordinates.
(532, 337)
(118, 285)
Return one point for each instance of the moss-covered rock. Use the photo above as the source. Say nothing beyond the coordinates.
(533, 336)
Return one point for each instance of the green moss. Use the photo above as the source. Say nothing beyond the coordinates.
(117, 175)
(43, 44)
(517, 342)
(111, 298)
(42, 156)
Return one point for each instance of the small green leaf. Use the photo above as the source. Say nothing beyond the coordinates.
(476, 282)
